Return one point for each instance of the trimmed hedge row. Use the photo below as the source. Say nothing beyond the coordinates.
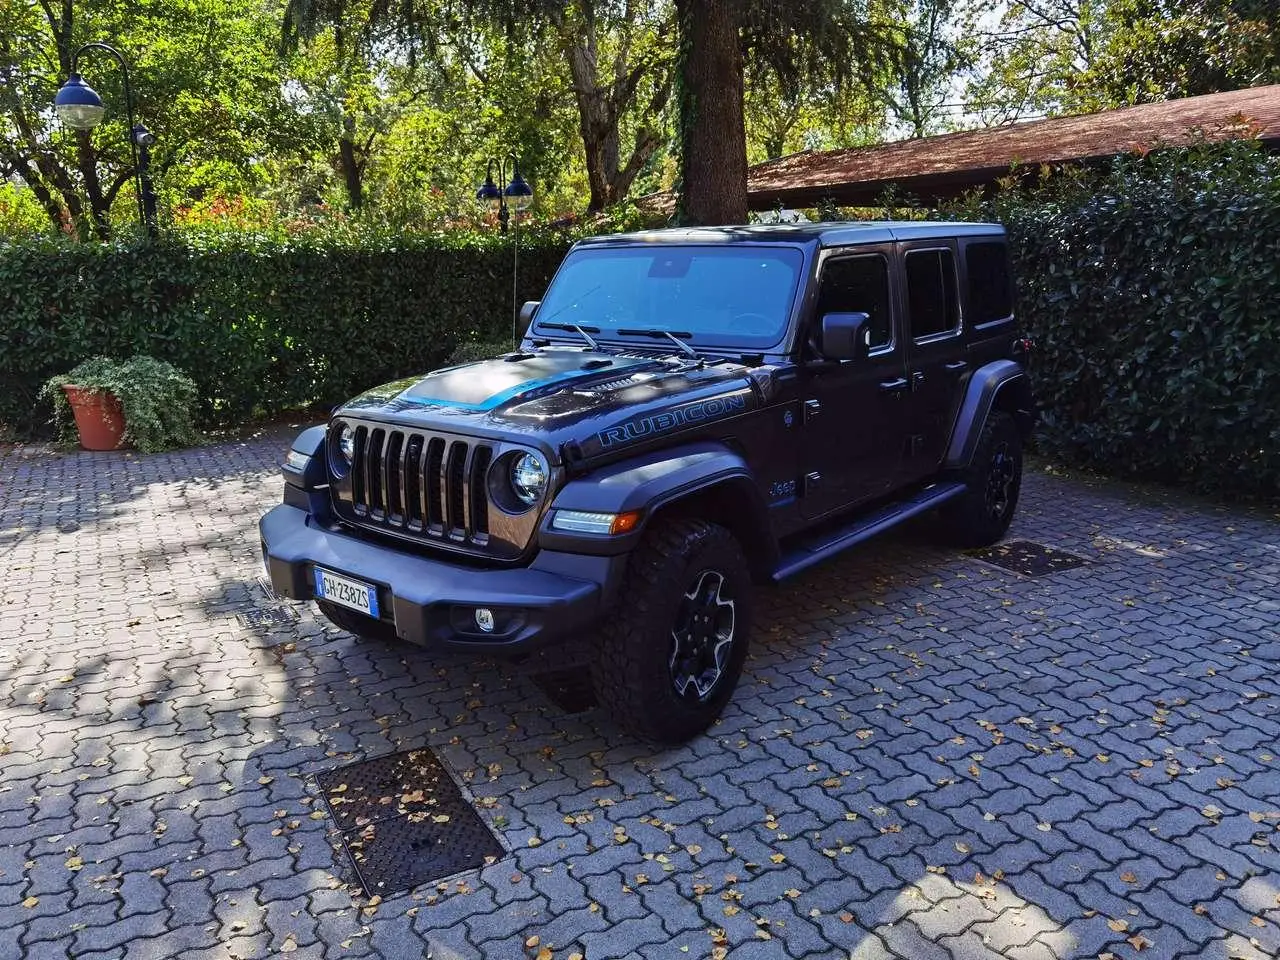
(262, 325)
(1152, 289)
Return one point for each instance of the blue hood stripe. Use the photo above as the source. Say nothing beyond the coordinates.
(520, 389)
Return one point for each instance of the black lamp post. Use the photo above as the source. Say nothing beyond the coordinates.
(80, 107)
(518, 194)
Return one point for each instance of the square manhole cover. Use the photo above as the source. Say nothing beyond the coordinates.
(570, 690)
(1029, 558)
(405, 822)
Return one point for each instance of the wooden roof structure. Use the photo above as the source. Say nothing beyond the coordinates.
(942, 167)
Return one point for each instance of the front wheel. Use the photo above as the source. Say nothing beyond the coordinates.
(981, 515)
(672, 651)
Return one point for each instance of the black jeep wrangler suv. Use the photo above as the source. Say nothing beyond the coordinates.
(689, 411)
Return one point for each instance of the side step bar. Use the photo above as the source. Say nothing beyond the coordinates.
(830, 542)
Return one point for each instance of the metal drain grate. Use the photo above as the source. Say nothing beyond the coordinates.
(262, 617)
(1028, 558)
(570, 690)
(404, 822)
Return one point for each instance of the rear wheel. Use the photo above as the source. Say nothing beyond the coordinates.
(672, 651)
(981, 515)
(366, 628)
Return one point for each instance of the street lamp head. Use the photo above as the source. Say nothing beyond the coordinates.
(518, 192)
(78, 104)
(489, 192)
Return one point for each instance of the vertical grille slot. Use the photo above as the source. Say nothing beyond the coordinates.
(455, 490)
(478, 493)
(393, 472)
(431, 472)
(360, 473)
(411, 471)
(374, 465)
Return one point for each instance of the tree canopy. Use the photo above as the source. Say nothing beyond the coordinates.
(304, 112)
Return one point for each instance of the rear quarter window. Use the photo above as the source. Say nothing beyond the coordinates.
(989, 283)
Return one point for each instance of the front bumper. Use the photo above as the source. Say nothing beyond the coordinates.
(432, 602)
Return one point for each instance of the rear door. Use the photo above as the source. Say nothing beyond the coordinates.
(855, 410)
(935, 350)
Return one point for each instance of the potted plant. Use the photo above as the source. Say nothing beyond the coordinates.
(141, 401)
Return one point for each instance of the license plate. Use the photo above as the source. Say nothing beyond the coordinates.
(346, 592)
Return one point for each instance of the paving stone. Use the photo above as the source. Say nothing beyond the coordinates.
(852, 682)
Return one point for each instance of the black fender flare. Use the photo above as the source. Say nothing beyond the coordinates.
(648, 483)
(1002, 382)
(309, 443)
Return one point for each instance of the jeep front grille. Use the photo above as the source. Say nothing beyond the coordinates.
(421, 483)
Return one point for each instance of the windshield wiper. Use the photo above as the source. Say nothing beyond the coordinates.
(574, 328)
(657, 333)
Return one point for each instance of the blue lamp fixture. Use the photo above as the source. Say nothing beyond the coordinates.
(517, 194)
(80, 108)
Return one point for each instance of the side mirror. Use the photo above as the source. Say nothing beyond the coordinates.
(846, 336)
(527, 312)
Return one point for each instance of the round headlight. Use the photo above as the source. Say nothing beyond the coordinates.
(344, 447)
(529, 478)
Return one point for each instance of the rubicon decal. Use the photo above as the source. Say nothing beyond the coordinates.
(687, 415)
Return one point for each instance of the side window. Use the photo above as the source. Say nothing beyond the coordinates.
(990, 287)
(859, 285)
(931, 292)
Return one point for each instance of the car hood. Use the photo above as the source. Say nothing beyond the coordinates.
(595, 399)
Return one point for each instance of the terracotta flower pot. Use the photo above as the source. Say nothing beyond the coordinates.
(99, 417)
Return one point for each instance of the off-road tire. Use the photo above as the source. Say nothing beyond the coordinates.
(633, 672)
(981, 515)
(364, 628)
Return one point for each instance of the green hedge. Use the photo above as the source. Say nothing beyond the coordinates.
(261, 324)
(1152, 289)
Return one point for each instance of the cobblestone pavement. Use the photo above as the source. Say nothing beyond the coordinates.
(928, 756)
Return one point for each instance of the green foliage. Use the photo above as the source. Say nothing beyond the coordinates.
(263, 323)
(472, 350)
(1151, 292)
(158, 399)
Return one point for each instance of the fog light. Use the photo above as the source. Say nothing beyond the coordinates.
(484, 619)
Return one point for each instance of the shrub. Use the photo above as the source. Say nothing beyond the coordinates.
(1152, 290)
(473, 350)
(263, 323)
(158, 399)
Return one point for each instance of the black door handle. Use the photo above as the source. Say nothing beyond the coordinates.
(894, 386)
(956, 367)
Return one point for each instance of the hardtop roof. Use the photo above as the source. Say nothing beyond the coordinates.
(823, 234)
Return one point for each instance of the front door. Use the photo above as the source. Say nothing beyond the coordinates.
(936, 356)
(855, 411)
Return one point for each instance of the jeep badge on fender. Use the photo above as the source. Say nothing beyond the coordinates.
(690, 412)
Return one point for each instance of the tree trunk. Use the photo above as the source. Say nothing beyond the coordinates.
(352, 173)
(713, 137)
(88, 162)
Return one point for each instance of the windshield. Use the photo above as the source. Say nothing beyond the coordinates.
(734, 296)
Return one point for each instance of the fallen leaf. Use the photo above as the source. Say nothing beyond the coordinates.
(31, 902)
(1139, 942)
(1044, 827)
(544, 954)
(73, 863)
(846, 916)
(1211, 812)
(290, 944)
(1129, 877)
(777, 857)
(263, 781)
(533, 941)
(1118, 926)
